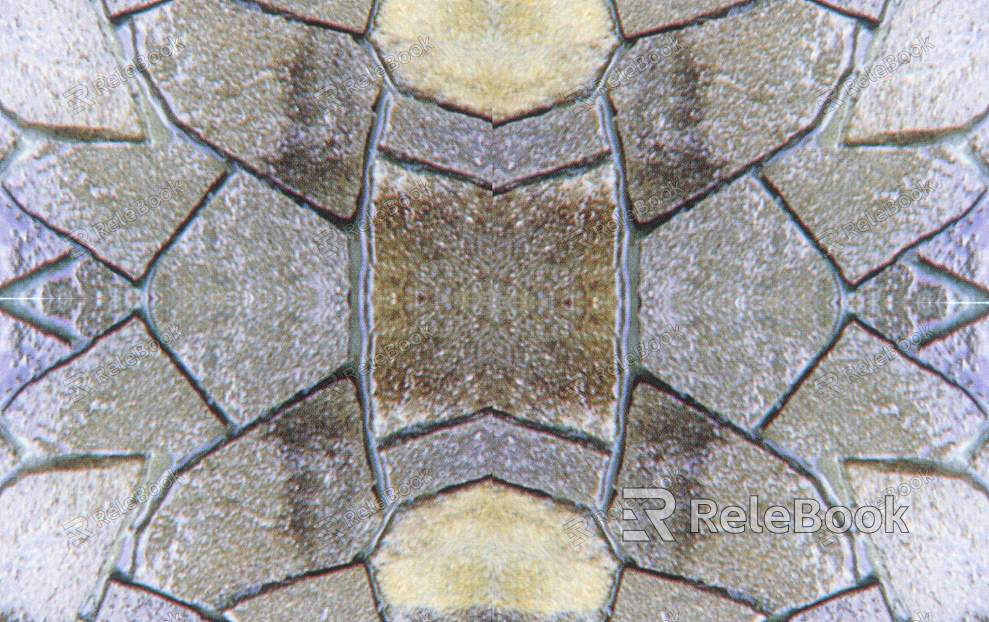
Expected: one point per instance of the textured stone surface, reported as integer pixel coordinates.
(867, 205)
(964, 356)
(264, 507)
(664, 436)
(119, 8)
(939, 568)
(639, 17)
(8, 138)
(864, 604)
(344, 14)
(8, 458)
(681, 99)
(57, 47)
(343, 595)
(45, 572)
(533, 294)
(26, 353)
(980, 143)
(963, 248)
(946, 42)
(126, 603)
(493, 548)
(643, 597)
(497, 446)
(869, 9)
(278, 95)
(748, 321)
(498, 61)
(267, 279)
(866, 400)
(123, 395)
(901, 302)
(25, 244)
(121, 201)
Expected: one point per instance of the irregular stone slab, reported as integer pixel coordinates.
(59, 49)
(964, 357)
(8, 138)
(133, 604)
(492, 445)
(901, 302)
(640, 17)
(274, 104)
(867, 205)
(865, 399)
(123, 202)
(269, 280)
(776, 570)
(945, 44)
(963, 248)
(864, 604)
(46, 571)
(343, 594)
(643, 597)
(495, 60)
(25, 244)
(682, 98)
(263, 507)
(736, 310)
(536, 292)
(939, 568)
(123, 395)
(349, 15)
(26, 353)
(495, 549)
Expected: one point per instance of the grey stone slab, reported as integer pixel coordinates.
(126, 603)
(267, 279)
(682, 98)
(121, 201)
(491, 445)
(937, 570)
(264, 507)
(901, 302)
(643, 597)
(289, 102)
(929, 48)
(668, 439)
(349, 15)
(8, 138)
(865, 399)
(867, 205)
(26, 353)
(491, 552)
(8, 458)
(750, 300)
(963, 248)
(980, 143)
(25, 244)
(340, 596)
(533, 291)
(867, 604)
(639, 17)
(58, 48)
(47, 569)
(963, 356)
(122, 395)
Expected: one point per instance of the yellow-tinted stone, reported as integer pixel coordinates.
(496, 58)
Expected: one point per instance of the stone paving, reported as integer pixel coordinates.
(390, 311)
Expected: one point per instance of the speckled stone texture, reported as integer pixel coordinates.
(760, 70)
(748, 322)
(127, 603)
(902, 302)
(935, 45)
(938, 568)
(123, 395)
(287, 103)
(265, 507)
(8, 138)
(266, 278)
(25, 244)
(778, 571)
(492, 445)
(48, 570)
(980, 143)
(495, 548)
(342, 595)
(645, 597)
(854, 606)
(640, 17)
(866, 400)
(868, 9)
(348, 15)
(26, 353)
(8, 458)
(496, 61)
(534, 292)
(58, 48)
(121, 201)
(867, 205)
